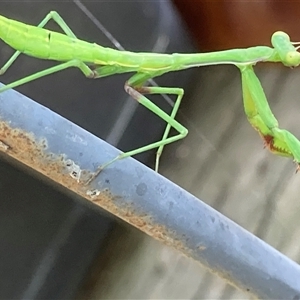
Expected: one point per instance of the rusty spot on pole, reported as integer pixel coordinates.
(27, 149)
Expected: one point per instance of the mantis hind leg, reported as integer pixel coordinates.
(135, 89)
(88, 72)
(72, 63)
(57, 19)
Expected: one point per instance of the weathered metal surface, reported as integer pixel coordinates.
(66, 153)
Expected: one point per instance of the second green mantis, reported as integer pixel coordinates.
(96, 61)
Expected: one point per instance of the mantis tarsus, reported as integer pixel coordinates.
(96, 61)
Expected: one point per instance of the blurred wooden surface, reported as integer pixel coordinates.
(225, 24)
(222, 161)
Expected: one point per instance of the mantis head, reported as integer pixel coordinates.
(285, 49)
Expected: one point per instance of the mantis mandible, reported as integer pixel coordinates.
(96, 61)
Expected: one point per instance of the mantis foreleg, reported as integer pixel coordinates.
(260, 116)
(256, 106)
(282, 136)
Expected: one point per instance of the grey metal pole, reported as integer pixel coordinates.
(65, 153)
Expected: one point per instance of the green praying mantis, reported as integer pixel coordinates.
(96, 61)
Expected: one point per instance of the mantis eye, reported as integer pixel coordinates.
(292, 59)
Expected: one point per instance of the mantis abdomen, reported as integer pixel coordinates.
(46, 44)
